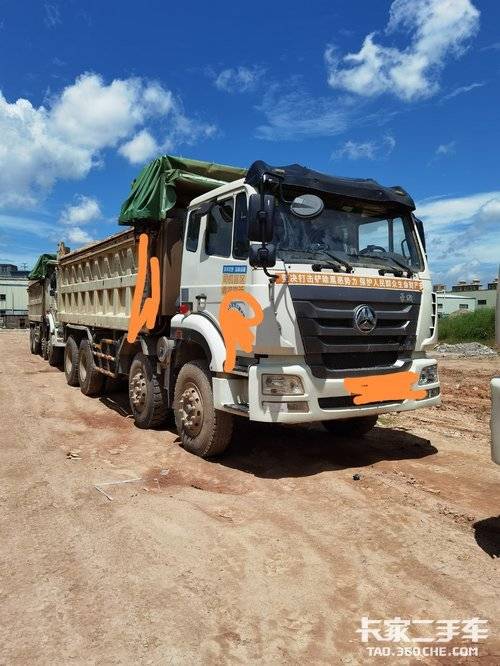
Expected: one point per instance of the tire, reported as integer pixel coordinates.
(71, 361)
(148, 399)
(34, 343)
(203, 430)
(356, 427)
(91, 380)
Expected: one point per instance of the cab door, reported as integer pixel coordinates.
(216, 254)
(223, 259)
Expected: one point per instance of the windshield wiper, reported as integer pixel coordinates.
(390, 257)
(313, 254)
(335, 257)
(326, 264)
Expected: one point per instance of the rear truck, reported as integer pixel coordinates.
(276, 294)
(45, 333)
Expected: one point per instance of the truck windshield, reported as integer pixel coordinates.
(360, 237)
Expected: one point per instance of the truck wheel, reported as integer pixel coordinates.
(204, 430)
(34, 343)
(91, 380)
(71, 361)
(148, 399)
(357, 426)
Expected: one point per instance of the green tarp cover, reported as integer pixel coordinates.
(168, 181)
(42, 266)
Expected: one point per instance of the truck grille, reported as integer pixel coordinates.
(332, 345)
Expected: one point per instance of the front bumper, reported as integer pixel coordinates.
(318, 389)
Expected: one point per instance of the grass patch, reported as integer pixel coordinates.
(478, 326)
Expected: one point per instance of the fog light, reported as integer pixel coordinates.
(433, 392)
(282, 385)
(428, 375)
(286, 407)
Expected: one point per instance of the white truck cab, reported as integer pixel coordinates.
(348, 295)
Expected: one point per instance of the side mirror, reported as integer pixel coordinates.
(262, 256)
(421, 232)
(260, 223)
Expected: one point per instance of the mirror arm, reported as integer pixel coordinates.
(272, 277)
(262, 211)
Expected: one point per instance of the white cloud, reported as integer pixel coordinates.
(446, 149)
(492, 47)
(463, 236)
(65, 138)
(464, 270)
(448, 210)
(79, 236)
(461, 90)
(52, 15)
(439, 29)
(95, 115)
(239, 79)
(83, 211)
(293, 113)
(26, 225)
(356, 151)
(140, 148)
(369, 150)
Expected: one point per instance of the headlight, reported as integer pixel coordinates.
(282, 385)
(428, 375)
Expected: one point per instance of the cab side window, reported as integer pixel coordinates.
(240, 238)
(193, 231)
(220, 228)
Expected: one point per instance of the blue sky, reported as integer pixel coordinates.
(406, 92)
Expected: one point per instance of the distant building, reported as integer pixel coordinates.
(484, 297)
(13, 297)
(11, 270)
(450, 303)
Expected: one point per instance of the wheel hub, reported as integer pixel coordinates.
(191, 409)
(138, 391)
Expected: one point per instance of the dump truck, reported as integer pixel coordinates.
(274, 294)
(45, 338)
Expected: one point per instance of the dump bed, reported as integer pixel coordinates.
(41, 288)
(36, 300)
(96, 283)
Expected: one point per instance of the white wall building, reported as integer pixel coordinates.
(13, 297)
(449, 303)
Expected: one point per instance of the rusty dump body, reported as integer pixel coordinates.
(96, 282)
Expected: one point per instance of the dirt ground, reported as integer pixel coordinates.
(271, 555)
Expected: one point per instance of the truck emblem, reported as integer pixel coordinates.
(365, 319)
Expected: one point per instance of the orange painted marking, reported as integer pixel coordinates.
(146, 316)
(378, 388)
(236, 327)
